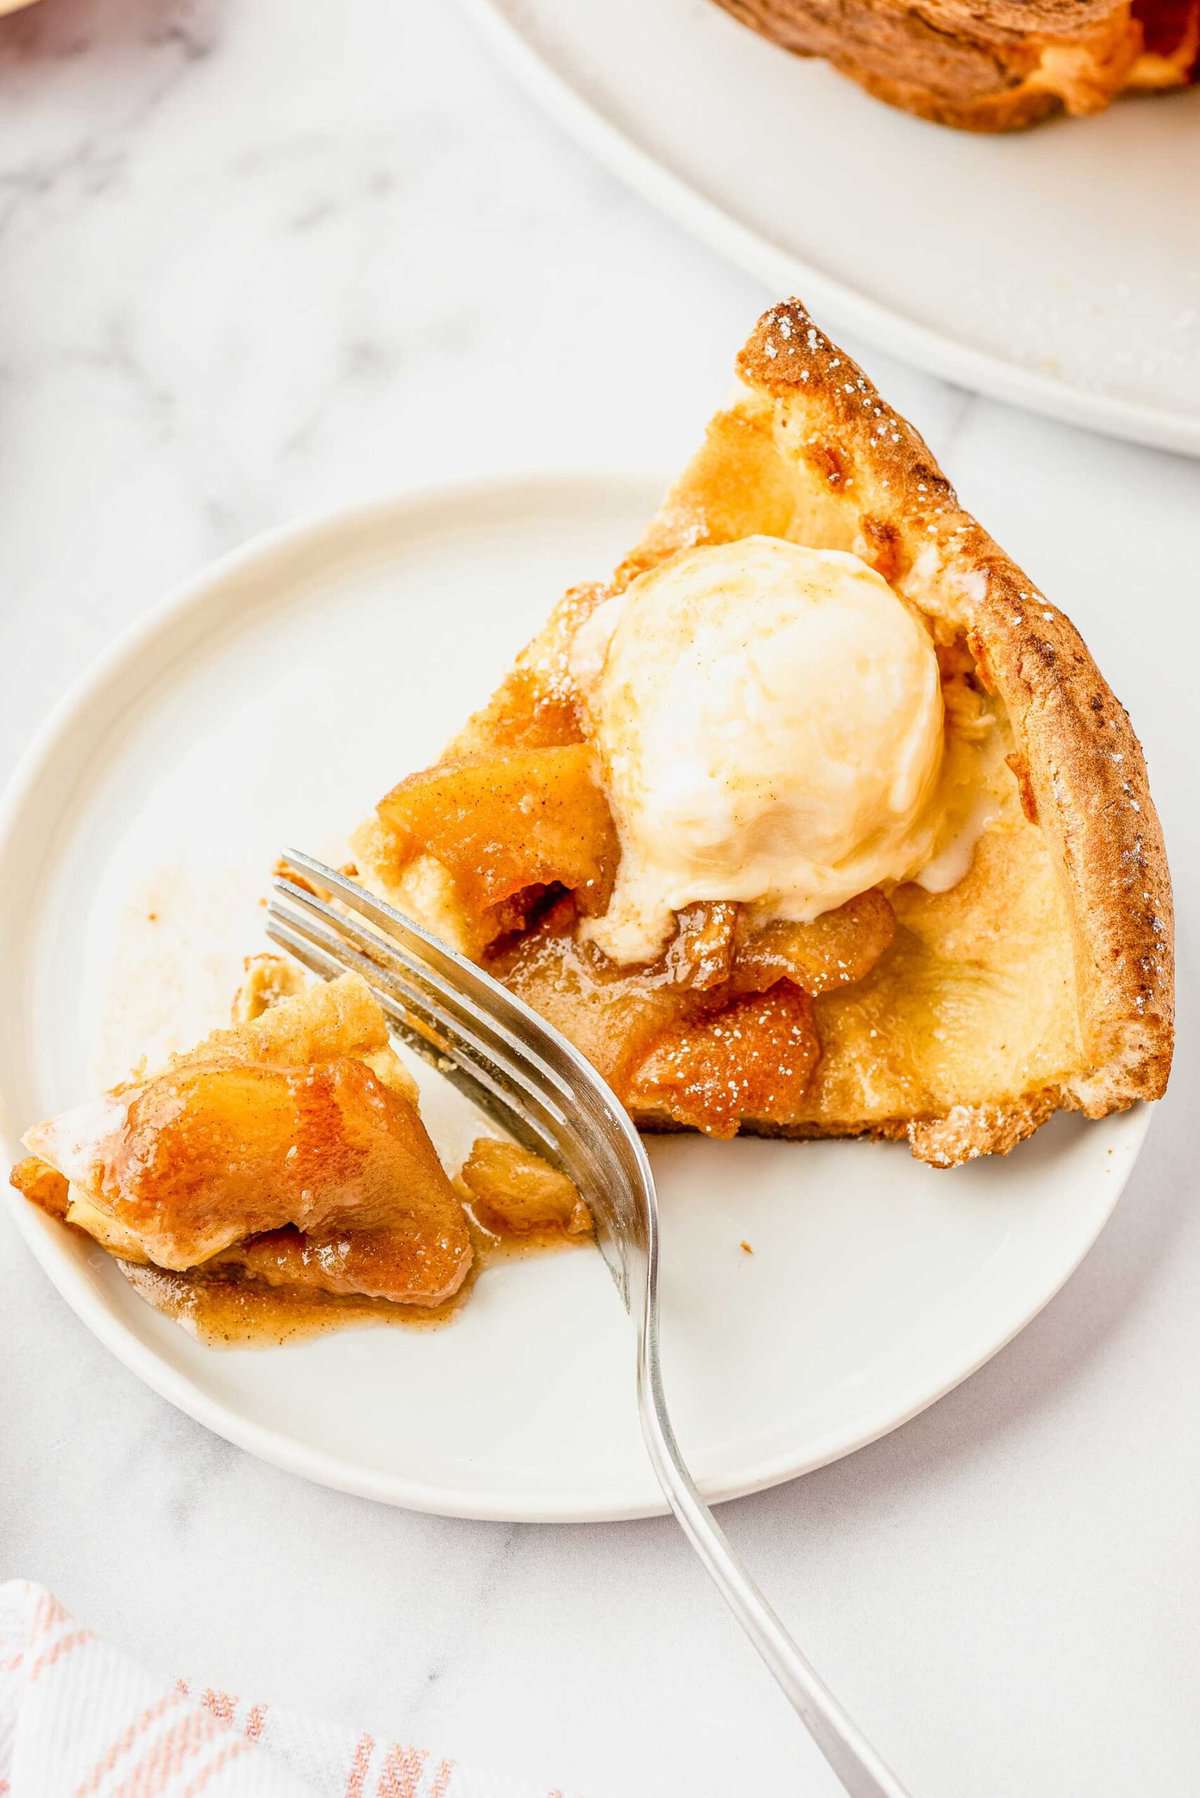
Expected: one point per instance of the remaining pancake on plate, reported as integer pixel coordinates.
(818, 818)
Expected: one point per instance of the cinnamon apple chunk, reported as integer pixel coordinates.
(516, 1193)
(289, 1144)
(505, 822)
(821, 955)
(751, 1057)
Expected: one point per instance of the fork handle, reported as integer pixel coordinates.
(861, 1771)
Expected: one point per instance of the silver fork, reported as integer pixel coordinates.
(532, 1081)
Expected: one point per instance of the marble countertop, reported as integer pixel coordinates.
(259, 259)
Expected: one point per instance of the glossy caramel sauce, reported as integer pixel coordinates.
(225, 1311)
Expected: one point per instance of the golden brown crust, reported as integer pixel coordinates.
(1085, 765)
(963, 1134)
(998, 66)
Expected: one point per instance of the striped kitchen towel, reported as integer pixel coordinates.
(78, 1718)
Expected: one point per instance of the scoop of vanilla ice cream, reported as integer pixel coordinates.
(769, 719)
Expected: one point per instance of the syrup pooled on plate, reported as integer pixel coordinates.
(230, 1310)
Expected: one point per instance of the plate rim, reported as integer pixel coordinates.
(65, 1271)
(835, 301)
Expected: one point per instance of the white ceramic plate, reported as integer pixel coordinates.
(1056, 269)
(270, 703)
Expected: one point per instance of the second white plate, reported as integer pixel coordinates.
(271, 703)
(1054, 268)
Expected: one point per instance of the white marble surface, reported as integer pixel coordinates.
(260, 258)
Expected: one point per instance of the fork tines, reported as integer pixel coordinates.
(472, 1029)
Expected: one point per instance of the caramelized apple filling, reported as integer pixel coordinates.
(513, 1192)
(833, 950)
(207, 1156)
(286, 1157)
(720, 1027)
(751, 1057)
(274, 1147)
(509, 847)
(508, 823)
(511, 826)
(385, 1263)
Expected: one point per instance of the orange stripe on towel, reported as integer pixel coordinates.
(401, 1773)
(164, 1760)
(62, 1647)
(124, 1742)
(221, 1704)
(254, 1722)
(357, 1778)
(229, 1753)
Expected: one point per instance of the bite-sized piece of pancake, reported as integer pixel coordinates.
(288, 1147)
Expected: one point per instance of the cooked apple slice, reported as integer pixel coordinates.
(834, 950)
(281, 1122)
(517, 1193)
(508, 821)
(751, 1058)
(405, 1262)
